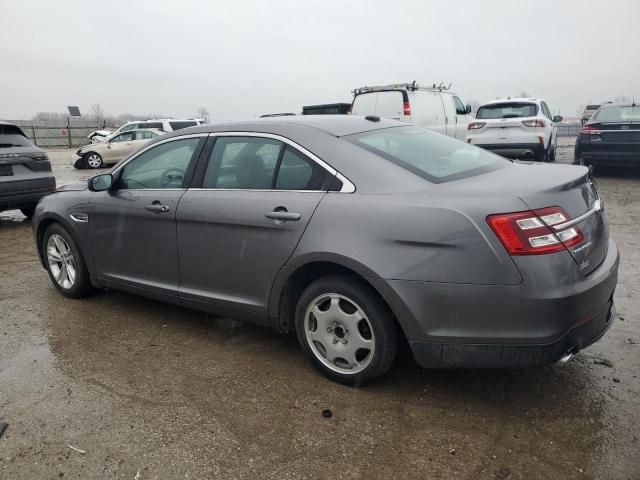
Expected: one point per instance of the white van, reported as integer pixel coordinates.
(433, 107)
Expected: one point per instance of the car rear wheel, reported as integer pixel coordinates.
(93, 160)
(28, 211)
(347, 331)
(65, 263)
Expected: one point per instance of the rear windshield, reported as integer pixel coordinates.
(179, 125)
(14, 140)
(618, 114)
(430, 155)
(507, 110)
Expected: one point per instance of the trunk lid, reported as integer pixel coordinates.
(565, 186)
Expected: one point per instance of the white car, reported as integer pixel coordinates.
(521, 128)
(164, 124)
(435, 107)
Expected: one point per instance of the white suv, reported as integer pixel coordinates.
(431, 107)
(520, 128)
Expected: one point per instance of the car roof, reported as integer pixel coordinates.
(512, 99)
(336, 125)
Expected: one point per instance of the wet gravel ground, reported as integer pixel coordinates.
(151, 391)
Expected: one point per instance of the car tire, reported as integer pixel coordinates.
(93, 160)
(65, 263)
(552, 154)
(346, 330)
(28, 211)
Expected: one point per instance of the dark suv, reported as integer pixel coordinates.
(25, 171)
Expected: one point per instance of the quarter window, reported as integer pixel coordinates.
(162, 166)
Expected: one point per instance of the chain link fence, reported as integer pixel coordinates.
(60, 133)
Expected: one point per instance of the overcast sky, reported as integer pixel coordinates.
(242, 58)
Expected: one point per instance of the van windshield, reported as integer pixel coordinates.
(428, 154)
(507, 110)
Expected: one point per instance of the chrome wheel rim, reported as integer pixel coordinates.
(61, 262)
(339, 333)
(94, 160)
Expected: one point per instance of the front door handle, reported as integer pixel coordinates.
(157, 207)
(283, 216)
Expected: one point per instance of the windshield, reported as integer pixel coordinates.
(508, 110)
(618, 114)
(430, 155)
(14, 140)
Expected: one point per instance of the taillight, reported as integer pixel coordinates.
(533, 123)
(476, 125)
(532, 232)
(588, 130)
(406, 108)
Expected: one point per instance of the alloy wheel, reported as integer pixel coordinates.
(94, 160)
(61, 262)
(339, 333)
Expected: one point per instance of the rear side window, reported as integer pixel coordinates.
(432, 156)
(142, 135)
(255, 163)
(384, 104)
(507, 110)
(592, 107)
(150, 125)
(297, 172)
(179, 125)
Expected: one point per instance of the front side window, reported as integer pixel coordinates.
(123, 137)
(460, 108)
(162, 166)
(142, 135)
(507, 110)
(432, 156)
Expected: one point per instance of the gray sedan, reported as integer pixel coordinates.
(356, 233)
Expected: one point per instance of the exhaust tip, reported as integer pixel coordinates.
(566, 356)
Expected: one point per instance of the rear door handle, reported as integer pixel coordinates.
(283, 216)
(157, 207)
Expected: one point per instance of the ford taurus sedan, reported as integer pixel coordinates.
(356, 233)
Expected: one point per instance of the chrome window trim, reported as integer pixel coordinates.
(347, 185)
(597, 206)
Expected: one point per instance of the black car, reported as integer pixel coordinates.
(610, 137)
(25, 171)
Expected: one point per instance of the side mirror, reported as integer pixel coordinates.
(101, 182)
(557, 119)
(467, 109)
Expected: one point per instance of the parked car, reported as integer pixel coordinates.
(610, 137)
(353, 232)
(516, 128)
(589, 110)
(433, 107)
(25, 171)
(98, 155)
(164, 124)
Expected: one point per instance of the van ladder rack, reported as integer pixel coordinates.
(412, 87)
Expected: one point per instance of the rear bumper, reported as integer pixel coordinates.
(454, 355)
(553, 310)
(24, 193)
(610, 157)
(514, 150)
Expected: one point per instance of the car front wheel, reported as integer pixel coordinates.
(93, 160)
(347, 331)
(65, 263)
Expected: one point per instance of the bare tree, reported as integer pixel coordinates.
(204, 114)
(97, 112)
